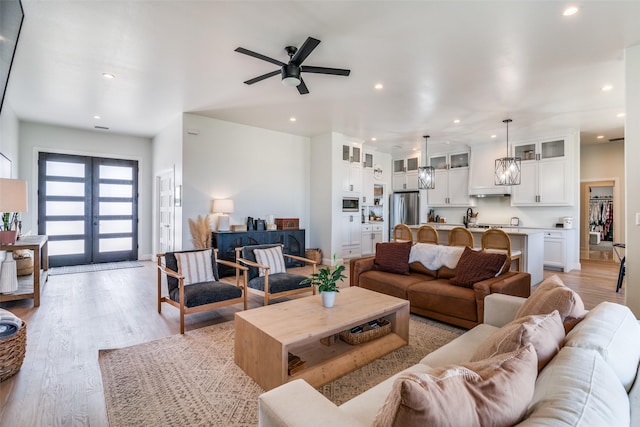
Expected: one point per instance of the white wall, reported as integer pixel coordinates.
(632, 177)
(167, 156)
(9, 137)
(322, 204)
(38, 137)
(264, 172)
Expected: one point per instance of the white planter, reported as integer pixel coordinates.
(328, 298)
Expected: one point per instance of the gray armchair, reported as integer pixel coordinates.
(194, 286)
(269, 283)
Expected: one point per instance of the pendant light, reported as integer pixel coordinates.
(508, 168)
(426, 174)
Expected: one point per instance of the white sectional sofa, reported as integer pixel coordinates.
(591, 381)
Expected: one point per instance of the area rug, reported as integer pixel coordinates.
(192, 380)
(71, 269)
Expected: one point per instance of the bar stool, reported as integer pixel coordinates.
(622, 260)
(427, 234)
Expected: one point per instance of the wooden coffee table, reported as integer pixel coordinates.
(265, 336)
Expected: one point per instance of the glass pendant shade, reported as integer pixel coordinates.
(507, 169)
(426, 174)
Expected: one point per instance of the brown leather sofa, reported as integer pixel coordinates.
(432, 293)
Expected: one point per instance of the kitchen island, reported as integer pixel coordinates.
(526, 240)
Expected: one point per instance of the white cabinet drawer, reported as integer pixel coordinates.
(554, 234)
(377, 228)
(366, 228)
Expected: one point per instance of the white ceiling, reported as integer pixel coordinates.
(476, 61)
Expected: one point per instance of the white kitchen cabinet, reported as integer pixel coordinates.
(367, 178)
(351, 169)
(371, 235)
(405, 173)
(482, 170)
(558, 244)
(451, 181)
(545, 174)
(351, 235)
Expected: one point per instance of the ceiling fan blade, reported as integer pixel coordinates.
(302, 88)
(259, 56)
(262, 77)
(325, 70)
(307, 47)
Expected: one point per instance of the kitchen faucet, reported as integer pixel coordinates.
(467, 218)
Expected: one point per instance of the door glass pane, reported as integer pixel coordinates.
(66, 247)
(115, 190)
(346, 153)
(55, 188)
(412, 164)
(57, 228)
(552, 149)
(65, 169)
(111, 245)
(460, 160)
(356, 155)
(526, 152)
(398, 165)
(116, 208)
(107, 227)
(64, 208)
(115, 172)
(439, 162)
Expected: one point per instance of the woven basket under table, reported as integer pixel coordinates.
(12, 352)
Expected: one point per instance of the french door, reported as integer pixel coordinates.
(88, 207)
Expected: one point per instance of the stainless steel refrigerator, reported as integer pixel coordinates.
(405, 207)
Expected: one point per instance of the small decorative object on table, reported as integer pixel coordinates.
(326, 281)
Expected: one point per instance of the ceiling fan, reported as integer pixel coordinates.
(291, 71)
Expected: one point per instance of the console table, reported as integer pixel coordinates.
(227, 241)
(28, 286)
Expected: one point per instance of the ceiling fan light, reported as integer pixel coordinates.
(290, 81)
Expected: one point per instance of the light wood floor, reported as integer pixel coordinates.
(60, 382)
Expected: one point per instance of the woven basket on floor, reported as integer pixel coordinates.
(12, 352)
(313, 255)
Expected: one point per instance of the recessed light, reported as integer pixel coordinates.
(415, 149)
(378, 86)
(292, 119)
(108, 76)
(494, 136)
(600, 136)
(606, 88)
(620, 115)
(571, 10)
(456, 121)
(374, 139)
(97, 117)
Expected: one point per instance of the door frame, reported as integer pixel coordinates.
(618, 229)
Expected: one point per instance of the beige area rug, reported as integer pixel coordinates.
(192, 380)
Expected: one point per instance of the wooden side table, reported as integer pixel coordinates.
(29, 287)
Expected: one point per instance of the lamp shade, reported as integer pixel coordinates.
(13, 195)
(222, 206)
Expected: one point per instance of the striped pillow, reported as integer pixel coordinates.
(272, 258)
(195, 266)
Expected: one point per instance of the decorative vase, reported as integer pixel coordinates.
(8, 237)
(328, 298)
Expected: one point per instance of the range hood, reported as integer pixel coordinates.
(492, 191)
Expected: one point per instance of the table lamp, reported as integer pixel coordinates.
(13, 199)
(223, 207)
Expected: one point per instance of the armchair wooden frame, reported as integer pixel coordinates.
(241, 282)
(496, 239)
(267, 296)
(427, 234)
(460, 236)
(402, 232)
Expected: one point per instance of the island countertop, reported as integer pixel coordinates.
(508, 230)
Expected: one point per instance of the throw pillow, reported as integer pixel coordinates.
(494, 392)
(272, 258)
(475, 266)
(545, 332)
(551, 295)
(392, 257)
(195, 266)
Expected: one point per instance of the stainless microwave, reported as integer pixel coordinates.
(350, 204)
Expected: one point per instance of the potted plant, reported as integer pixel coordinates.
(7, 235)
(326, 280)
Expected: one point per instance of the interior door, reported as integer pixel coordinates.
(88, 206)
(166, 215)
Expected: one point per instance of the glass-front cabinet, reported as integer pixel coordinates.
(405, 173)
(451, 180)
(545, 173)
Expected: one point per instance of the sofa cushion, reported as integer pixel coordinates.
(578, 388)
(494, 391)
(272, 258)
(395, 285)
(476, 266)
(392, 257)
(545, 332)
(461, 348)
(551, 295)
(440, 296)
(613, 331)
(418, 267)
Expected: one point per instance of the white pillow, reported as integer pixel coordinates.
(272, 258)
(195, 266)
